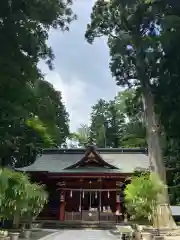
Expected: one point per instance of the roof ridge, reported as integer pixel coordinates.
(99, 150)
(53, 162)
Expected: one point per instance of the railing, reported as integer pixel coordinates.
(90, 216)
(107, 216)
(72, 216)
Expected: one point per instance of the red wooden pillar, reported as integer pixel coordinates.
(62, 206)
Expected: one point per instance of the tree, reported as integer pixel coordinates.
(136, 54)
(37, 198)
(46, 125)
(167, 104)
(26, 143)
(106, 124)
(130, 104)
(134, 135)
(82, 135)
(167, 95)
(24, 31)
(52, 112)
(98, 121)
(19, 197)
(23, 142)
(115, 123)
(141, 197)
(15, 201)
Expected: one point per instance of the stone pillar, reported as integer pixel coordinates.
(62, 206)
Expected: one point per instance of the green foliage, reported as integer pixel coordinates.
(37, 198)
(143, 38)
(141, 196)
(106, 124)
(82, 135)
(37, 126)
(46, 125)
(130, 34)
(4, 183)
(15, 195)
(19, 197)
(51, 111)
(116, 123)
(24, 31)
(143, 43)
(134, 133)
(126, 27)
(129, 102)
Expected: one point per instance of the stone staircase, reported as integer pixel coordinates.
(76, 225)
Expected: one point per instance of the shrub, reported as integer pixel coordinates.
(19, 197)
(141, 196)
(37, 198)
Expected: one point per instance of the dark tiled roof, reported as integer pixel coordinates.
(100, 150)
(57, 160)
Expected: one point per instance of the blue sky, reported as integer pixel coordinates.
(81, 70)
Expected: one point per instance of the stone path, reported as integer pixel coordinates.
(84, 234)
(38, 234)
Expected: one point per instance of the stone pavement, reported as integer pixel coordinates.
(82, 234)
(38, 234)
(172, 238)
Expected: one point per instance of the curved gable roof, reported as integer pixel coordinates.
(66, 160)
(92, 157)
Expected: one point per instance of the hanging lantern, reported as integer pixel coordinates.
(83, 194)
(96, 195)
(62, 197)
(90, 200)
(117, 197)
(108, 194)
(71, 193)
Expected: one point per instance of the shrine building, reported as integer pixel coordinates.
(86, 184)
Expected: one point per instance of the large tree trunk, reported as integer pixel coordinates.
(156, 159)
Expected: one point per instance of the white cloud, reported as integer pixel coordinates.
(81, 70)
(74, 98)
